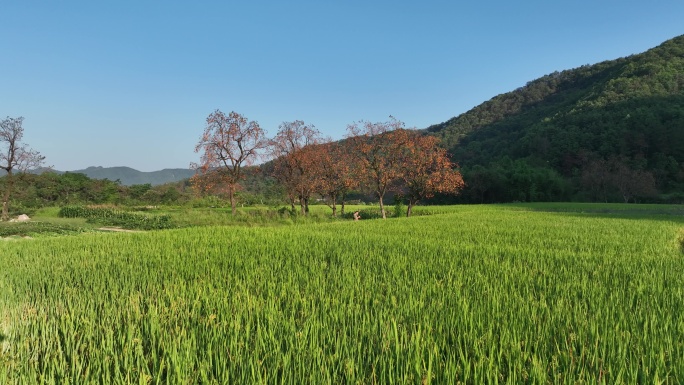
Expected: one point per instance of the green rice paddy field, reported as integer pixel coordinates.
(468, 294)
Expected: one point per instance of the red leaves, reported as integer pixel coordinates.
(427, 169)
(390, 157)
(380, 157)
(293, 149)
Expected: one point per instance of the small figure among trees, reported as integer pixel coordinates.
(14, 156)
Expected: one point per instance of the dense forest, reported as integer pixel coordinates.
(613, 131)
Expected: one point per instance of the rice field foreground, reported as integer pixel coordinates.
(477, 294)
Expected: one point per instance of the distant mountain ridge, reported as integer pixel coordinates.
(129, 176)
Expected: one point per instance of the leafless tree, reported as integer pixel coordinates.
(15, 156)
(229, 143)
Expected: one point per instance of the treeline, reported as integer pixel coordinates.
(606, 132)
(32, 191)
(376, 158)
(377, 162)
(49, 189)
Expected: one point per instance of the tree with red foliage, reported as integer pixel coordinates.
(427, 169)
(293, 151)
(333, 173)
(377, 148)
(229, 143)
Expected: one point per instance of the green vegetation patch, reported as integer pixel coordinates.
(34, 228)
(111, 217)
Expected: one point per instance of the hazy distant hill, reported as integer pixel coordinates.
(562, 136)
(128, 176)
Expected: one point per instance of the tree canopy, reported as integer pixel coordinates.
(555, 129)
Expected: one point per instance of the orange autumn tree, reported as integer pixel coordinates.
(294, 159)
(377, 148)
(229, 143)
(427, 170)
(212, 182)
(334, 175)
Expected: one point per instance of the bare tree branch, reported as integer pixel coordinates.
(15, 156)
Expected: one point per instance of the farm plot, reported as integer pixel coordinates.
(477, 294)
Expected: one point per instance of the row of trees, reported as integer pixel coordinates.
(28, 191)
(32, 191)
(376, 157)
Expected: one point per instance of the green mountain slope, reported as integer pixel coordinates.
(548, 139)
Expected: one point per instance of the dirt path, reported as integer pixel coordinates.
(118, 229)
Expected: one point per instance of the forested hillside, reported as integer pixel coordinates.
(613, 131)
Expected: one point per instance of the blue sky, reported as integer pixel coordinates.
(130, 83)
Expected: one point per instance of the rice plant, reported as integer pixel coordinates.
(476, 294)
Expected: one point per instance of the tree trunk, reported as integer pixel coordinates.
(5, 199)
(5, 209)
(334, 206)
(343, 199)
(411, 203)
(303, 205)
(233, 204)
(382, 209)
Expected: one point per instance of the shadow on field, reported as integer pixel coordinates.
(670, 213)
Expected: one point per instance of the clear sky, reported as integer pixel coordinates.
(130, 83)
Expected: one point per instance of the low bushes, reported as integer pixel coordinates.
(33, 228)
(119, 218)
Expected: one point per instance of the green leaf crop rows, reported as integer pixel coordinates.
(110, 217)
(474, 295)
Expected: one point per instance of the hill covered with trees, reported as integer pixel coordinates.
(612, 131)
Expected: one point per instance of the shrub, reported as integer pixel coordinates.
(111, 217)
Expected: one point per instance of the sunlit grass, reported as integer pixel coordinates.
(477, 294)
